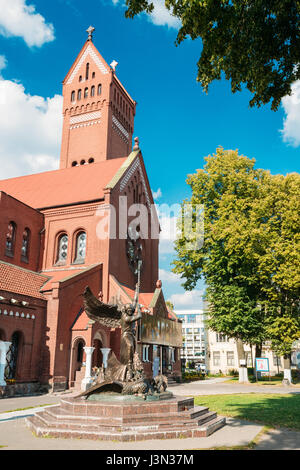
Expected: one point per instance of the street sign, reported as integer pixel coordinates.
(262, 364)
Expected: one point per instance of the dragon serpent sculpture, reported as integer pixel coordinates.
(126, 375)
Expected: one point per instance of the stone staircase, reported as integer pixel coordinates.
(128, 421)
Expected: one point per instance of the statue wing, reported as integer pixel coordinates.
(108, 315)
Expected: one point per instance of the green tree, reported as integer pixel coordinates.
(253, 43)
(250, 258)
(170, 304)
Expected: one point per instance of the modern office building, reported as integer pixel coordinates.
(194, 342)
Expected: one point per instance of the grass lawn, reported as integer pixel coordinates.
(273, 410)
(277, 381)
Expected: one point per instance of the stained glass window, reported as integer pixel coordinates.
(25, 243)
(62, 248)
(80, 247)
(10, 238)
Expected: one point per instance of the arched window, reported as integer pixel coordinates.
(86, 92)
(93, 75)
(91, 160)
(62, 249)
(99, 89)
(87, 69)
(73, 96)
(10, 239)
(93, 90)
(80, 248)
(79, 95)
(80, 78)
(25, 244)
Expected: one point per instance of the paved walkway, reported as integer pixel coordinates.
(221, 386)
(15, 435)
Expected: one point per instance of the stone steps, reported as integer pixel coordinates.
(124, 436)
(171, 418)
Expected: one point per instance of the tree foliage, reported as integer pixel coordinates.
(254, 43)
(250, 258)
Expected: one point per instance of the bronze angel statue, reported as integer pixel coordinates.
(114, 316)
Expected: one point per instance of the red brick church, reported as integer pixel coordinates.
(52, 244)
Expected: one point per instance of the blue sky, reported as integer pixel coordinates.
(177, 124)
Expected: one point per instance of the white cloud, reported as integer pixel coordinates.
(157, 194)
(21, 20)
(3, 62)
(168, 276)
(30, 131)
(291, 123)
(168, 234)
(161, 16)
(189, 299)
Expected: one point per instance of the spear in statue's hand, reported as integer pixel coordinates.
(137, 297)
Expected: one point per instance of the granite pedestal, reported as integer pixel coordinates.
(128, 418)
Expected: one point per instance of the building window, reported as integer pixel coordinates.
(62, 249)
(25, 244)
(93, 75)
(73, 96)
(93, 90)
(216, 358)
(191, 318)
(99, 89)
(10, 239)
(80, 248)
(87, 69)
(146, 352)
(86, 92)
(79, 95)
(221, 338)
(230, 358)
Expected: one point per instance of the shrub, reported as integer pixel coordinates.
(233, 372)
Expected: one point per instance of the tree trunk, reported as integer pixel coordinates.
(258, 350)
(258, 353)
(287, 374)
(243, 372)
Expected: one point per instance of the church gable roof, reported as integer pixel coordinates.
(88, 50)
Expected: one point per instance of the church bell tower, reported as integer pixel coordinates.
(98, 113)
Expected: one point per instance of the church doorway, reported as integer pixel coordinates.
(97, 358)
(13, 355)
(77, 359)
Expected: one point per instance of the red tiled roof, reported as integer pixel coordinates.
(144, 297)
(172, 315)
(21, 281)
(82, 322)
(59, 275)
(64, 186)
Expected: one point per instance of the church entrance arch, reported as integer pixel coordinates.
(77, 357)
(99, 341)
